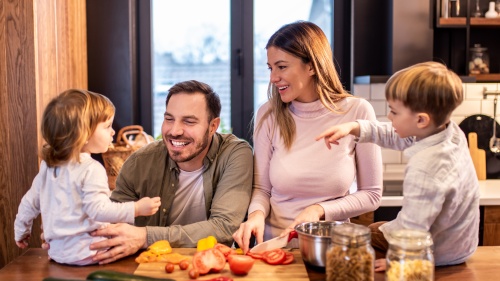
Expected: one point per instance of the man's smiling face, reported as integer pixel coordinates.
(186, 130)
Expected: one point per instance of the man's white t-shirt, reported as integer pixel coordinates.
(189, 202)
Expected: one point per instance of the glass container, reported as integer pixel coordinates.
(410, 256)
(350, 256)
(479, 60)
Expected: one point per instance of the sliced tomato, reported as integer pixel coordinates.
(209, 260)
(255, 255)
(289, 258)
(226, 250)
(276, 256)
(240, 265)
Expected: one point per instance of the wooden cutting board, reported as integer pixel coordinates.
(295, 271)
(478, 156)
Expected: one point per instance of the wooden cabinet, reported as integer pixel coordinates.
(491, 226)
(454, 36)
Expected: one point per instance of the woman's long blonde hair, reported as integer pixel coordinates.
(69, 120)
(306, 41)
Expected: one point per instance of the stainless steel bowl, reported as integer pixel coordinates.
(314, 241)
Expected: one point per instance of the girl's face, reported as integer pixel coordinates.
(101, 138)
(292, 77)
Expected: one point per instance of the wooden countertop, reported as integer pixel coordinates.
(34, 265)
(489, 191)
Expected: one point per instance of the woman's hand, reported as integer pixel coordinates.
(253, 225)
(312, 213)
(125, 240)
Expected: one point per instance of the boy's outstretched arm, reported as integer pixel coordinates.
(333, 134)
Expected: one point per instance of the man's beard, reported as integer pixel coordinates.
(177, 156)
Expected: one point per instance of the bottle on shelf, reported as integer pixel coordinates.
(491, 13)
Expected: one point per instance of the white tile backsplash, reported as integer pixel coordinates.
(380, 107)
(474, 103)
(390, 156)
(361, 90)
(475, 90)
(377, 91)
(468, 107)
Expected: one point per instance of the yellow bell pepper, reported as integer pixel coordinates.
(206, 243)
(160, 247)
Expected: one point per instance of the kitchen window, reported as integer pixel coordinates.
(222, 43)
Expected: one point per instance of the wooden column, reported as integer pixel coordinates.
(42, 52)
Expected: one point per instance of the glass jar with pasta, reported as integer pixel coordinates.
(350, 255)
(410, 256)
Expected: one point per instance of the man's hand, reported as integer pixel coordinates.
(125, 240)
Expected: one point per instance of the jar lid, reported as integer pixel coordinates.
(410, 239)
(478, 48)
(351, 234)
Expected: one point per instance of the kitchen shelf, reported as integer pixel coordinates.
(490, 77)
(461, 22)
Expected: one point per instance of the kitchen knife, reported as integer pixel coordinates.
(275, 243)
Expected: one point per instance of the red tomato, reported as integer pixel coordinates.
(169, 267)
(193, 274)
(227, 251)
(209, 260)
(255, 255)
(289, 258)
(183, 265)
(240, 265)
(276, 256)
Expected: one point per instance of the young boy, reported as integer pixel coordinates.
(440, 187)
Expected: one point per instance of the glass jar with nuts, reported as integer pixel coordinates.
(479, 60)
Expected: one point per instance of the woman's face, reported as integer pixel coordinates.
(293, 78)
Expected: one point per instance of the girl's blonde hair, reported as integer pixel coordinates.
(69, 120)
(427, 87)
(306, 41)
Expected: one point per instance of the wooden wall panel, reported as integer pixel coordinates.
(18, 136)
(42, 52)
(491, 236)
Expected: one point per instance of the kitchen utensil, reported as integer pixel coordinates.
(478, 156)
(494, 141)
(275, 243)
(482, 125)
(314, 241)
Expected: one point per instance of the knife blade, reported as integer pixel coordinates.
(275, 243)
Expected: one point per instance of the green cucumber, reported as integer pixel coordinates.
(109, 275)
(60, 279)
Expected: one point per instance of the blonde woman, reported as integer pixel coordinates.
(297, 179)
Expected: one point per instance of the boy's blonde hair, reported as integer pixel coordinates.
(69, 120)
(427, 87)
